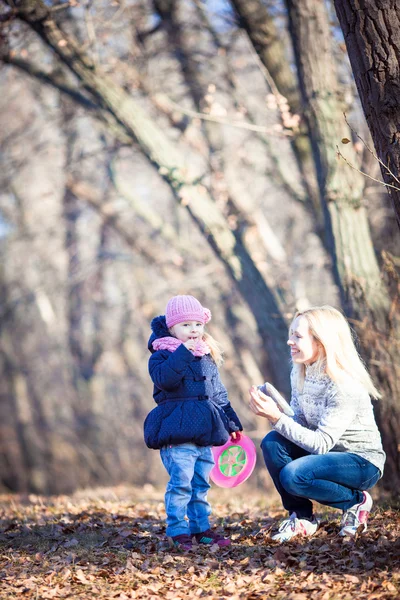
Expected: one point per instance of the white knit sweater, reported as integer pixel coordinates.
(333, 417)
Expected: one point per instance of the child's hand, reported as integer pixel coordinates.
(235, 436)
(190, 344)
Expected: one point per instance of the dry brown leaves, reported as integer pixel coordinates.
(108, 546)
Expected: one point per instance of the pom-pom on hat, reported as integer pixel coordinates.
(185, 308)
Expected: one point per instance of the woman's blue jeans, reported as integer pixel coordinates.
(335, 479)
(189, 468)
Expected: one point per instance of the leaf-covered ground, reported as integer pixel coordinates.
(110, 544)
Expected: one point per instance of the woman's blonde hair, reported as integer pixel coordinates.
(338, 355)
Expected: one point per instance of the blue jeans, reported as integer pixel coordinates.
(189, 468)
(335, 479)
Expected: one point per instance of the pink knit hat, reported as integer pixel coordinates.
(185, 308)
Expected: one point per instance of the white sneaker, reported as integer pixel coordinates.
(294, 526)
(355, 516)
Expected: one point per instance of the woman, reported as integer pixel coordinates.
(331, 450)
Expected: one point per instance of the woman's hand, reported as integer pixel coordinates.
(235, 436)
(263, 406)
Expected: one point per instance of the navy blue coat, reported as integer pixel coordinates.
(193, 403)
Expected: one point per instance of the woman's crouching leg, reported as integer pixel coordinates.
(278, 453)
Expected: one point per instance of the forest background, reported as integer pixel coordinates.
(179, 146)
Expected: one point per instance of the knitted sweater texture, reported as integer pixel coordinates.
(333, 417)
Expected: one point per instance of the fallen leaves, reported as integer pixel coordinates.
(90, 548)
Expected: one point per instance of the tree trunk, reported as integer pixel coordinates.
(267, 41)
(241, 206)
(365, 298)
(263, 302)
(371, 33)
(39, 449)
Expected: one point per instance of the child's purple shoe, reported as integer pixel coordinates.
(182, 541)
(210, 537)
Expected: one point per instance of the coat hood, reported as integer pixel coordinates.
(159, 330)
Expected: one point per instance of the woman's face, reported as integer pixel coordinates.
(304, 348)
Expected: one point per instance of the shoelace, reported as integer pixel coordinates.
(289, 523)
(350, 519)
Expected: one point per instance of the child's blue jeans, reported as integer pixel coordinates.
(335, 479)
(189, 468)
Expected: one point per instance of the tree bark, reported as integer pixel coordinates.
(227, 244)
(365, 298)
(267, 41)
(372, 36)
(357, 270)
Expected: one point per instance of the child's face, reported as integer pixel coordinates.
(188, 330)
(304, 348)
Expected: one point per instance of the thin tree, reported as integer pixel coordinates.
(260, 26)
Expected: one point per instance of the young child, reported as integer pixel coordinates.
(330, 450)
(193, 414)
